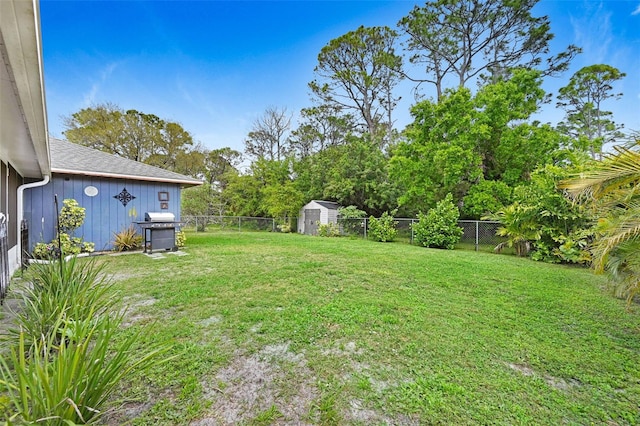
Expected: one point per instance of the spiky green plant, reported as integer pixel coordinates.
(69, 381)
(74, 290)
(518, 225)
(127, 239)
(612, 188)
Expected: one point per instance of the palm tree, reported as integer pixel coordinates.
(519, 226)
(612, 188)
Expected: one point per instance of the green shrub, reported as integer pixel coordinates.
(328, 230)
(69, 381)
(127, 239)
(285, 228)
(383, 229)
(181, 239)
(71, 217)
(439, 227)
(351, 219)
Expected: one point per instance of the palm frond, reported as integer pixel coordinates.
(615, 171)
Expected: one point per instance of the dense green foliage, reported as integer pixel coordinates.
(382, 229)
(439, 227)
(542, 222)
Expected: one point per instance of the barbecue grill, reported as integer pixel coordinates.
(159, 230)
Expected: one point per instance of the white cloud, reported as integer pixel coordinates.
(593, 32)
(637, 11)
(89, 98)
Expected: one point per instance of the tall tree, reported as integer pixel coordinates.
(463, 139)
(100, 127)
(219, 164)
(268, 135)
(355, 173)
(582, 99)
(439, 155)
(358, 72)
(321, 127)
(132, 134)
(479, 38)
(172, 141)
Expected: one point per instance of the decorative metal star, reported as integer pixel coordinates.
(124, 197)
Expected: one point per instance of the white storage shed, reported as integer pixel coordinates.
(317, 213)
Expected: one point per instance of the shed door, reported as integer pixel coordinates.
(311, 220)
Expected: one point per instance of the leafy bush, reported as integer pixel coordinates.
(350, 219)
(439, 227)
(181, 239)
(285, 228)
(329, 230)
(543, 223)
(127, 239)
(71, 217)
(384, 228)
(519, 225)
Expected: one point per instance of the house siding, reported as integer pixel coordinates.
(105, 215)
(10, 180)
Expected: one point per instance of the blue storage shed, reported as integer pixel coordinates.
(115, 192)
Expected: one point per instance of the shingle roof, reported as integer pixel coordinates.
(328, 204)
(71, 158)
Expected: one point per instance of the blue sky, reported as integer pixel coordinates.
(215, 66)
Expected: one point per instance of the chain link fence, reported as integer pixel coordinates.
(238, 223)
(476, 235)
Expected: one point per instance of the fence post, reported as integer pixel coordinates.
(477, 242)
(365, 228)
(196, 223)
(239, 224)
(273, 225)
(412, 230)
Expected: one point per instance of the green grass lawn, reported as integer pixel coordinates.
(290, 329)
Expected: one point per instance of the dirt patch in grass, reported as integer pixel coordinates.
(132, 308)
(274, 380)
(555, 382)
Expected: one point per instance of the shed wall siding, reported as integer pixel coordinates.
(105, 215)
(326, 215)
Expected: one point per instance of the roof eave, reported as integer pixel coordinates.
(23, 42)
(184, 183)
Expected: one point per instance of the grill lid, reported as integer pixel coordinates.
(159, 217)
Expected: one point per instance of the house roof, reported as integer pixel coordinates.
(328, 204)
(71, 158)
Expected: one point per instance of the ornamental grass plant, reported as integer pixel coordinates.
(69, 381)
(71, 290)
(68, 353)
